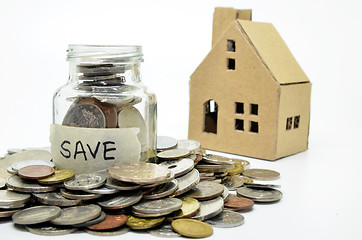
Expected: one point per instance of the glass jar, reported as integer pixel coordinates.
(104, 114)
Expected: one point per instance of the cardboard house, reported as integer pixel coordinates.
(249, 96)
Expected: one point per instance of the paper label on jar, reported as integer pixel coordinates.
(86, 150)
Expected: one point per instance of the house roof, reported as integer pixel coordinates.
(273, 51)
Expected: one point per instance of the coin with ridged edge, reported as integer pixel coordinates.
(192, 228)
(226, 219)
(85, 115)
(77, 214)
(59, 176)
(47, 229)
(37, 214)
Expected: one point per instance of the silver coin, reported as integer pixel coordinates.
(180, 166)
(112, 232)
(165, 143)
(164, 231)
(10, 170)
(150, 215)
(226, 219)
(261, 174)
(79, 195)
(158, 205)
(13, 206)
(225, 194)
(10, 198)
(86, 115)
(206, 190)
(37, 214)
(8, 213)
(18, 165)
(96, 220)
(212, 167)
(163, 190)
(258, 185)
(233, 182)
(12, 151)
(187, 182)
(116, 100)
(260, 194)
(47, 229)
(216, 159)
(120, 185)
(86, 181)
(2, 185)
(167, 180)
(18, 184)
(191, 145)
(125, 199)
(209, 209)
(173, 154)
(56, 199)
(104, 190)
(77, 214)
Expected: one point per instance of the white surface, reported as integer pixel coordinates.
(322, 186)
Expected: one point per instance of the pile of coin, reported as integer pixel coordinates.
(187, 193)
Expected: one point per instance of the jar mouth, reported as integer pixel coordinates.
(105, 53)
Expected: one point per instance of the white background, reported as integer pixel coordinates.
(322, 186)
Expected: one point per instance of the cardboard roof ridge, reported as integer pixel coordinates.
(273, 52)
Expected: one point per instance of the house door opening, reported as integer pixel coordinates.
(210, 113)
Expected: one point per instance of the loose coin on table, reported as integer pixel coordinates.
(56, 199)
(139, 172)
(59, 176)
(209, 209)
(206, 190)
(143, 223)
(86, 181)
(37, 214)
(36, 172)
(165, 143)
(22, 185)
(111, 232)
(260, 194)
(179, 166)
(226, 219)
(261, 174)
(123, 200)
(238, 169)
(189, 144)
(246, 164)
(233, 182)
(216, 159)
(47, 229)
(111, 221)
(192, 228)
(173, 154)
(238, 203)
(77, 214)
(164, 231)
(187, 182)
(164, 205)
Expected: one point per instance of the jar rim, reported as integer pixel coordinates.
(104, 53)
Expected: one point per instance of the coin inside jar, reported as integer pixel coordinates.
(36, 172)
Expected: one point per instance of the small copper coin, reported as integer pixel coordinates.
(36, 172)
(239, 203)
(111, 222)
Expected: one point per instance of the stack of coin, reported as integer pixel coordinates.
(139, 196)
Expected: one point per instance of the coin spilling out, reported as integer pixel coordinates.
(94, 221)
(59, 176)
(233, 182)
(77, 214)
(165, 143)
(226, 219)
(86, 181)
(246, 164)
(261, 174)
(55, 199)
(192, 228)
(238, 203)
(127, 199)
(36, 171)
(190, 207)
(173, 154)
(162, 206)
(187, 182)
(216, 159)
(110, 222)
(162, 190)
(18, 165)
(78, 195)
(188, 144)
(47, 229)
(206, 190)
(143, 223)
(209, 209)
(164, 231)
(260, 194)
(37, 214)
(111, 232)
(179, 167)
(10, 198)
(21, 185)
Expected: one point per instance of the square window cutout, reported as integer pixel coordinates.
(231, 46)
(254, 109)
(254, 127)
(231, 64)
(289, 123)
(239, 124)
(296, 121)
(239, 108)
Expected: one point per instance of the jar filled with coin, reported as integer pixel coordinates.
(104, 114)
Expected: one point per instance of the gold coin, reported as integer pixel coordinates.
(192, 228)
(143, 223)
(190, 207)
(238, 169)
(58, 177)
(247, 180)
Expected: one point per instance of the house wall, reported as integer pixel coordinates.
(249, 83)
(294, 102)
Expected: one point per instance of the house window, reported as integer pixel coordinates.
(230, 46)
(231, 63)
(289, 123)
(210, 116)
(296, 121)
(239, 124)
(239, 108)
(254, 127)
(254, 109)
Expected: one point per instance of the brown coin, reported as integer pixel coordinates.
(239, 203)
(206, 190)
(198, 158)
(36, 171)
(108, 110)
(111, 221)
